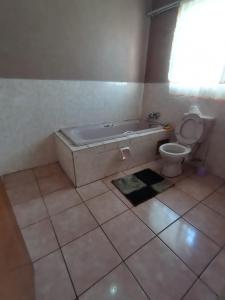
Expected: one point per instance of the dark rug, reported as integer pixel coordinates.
(142, 186)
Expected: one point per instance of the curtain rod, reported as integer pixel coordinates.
(163, 9)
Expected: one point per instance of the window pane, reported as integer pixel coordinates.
(198, 49)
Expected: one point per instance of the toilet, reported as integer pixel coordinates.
(192, 130)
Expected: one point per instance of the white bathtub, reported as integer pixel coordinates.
(90, 153)
(86, 135)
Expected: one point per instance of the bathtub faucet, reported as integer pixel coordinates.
(153, 119)
(153, 116)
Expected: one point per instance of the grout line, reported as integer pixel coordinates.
(213, 209)
(181, 217)
(199, 276)
(49, 253)
(189, 289)
(49, 215)
(78, 237)
(99, 280)
(60, 249)
(186, 212)
(115, 250)
(156, 236)
(209, 287)
(34, 223)
(99, 195)
(129, 209)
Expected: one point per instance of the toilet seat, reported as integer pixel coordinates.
(174, 150)
(190, 130)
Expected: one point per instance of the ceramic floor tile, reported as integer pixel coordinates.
(92, 190)
(212, 181)
(208, 221)
(53, 183)
(23, 193)
(160, 272)
(127, 233)
(40, 239)
(122, 198)
(177, 200)
(187, 171)
(178, 178)
(48, 170)
(194, 188)
(155, 214)
(106, 206)
(155, 165)
(89, 258)
(73, 223)
(61, 200)
(200, 292)
(30, 212)
(137, 169)
(214, 275)
(221, 190)
(52, 281)
(193, 247)
(217, 202)
(17, 179)
(118, 285)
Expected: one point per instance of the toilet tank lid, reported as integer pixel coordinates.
(190, 130)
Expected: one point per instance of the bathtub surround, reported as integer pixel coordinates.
(172, 107)
(86, 164)
(32, 110)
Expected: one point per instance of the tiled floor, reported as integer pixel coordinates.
(91, 244)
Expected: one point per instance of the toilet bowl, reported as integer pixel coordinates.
(173, 155)
(188, 133)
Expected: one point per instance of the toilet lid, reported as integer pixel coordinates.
(190, 130)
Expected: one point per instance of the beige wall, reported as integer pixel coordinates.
(79, 39)
(160, 42)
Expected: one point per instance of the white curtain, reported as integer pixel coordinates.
(197, 63)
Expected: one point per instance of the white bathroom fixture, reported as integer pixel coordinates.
(125, 153)
(91, 153)
(192, 129)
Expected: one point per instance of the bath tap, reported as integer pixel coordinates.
(153, 120)
(154, 116)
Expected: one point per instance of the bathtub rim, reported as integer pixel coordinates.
(137, 134)
(110, 137)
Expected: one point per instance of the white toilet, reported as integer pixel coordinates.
(191, 130)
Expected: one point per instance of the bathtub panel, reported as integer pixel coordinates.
(65, 157)
(95, 163)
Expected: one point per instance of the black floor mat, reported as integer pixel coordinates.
(150, 179)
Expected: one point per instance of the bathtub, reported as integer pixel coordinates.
(90, 153)
(91, 134)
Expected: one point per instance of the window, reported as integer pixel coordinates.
(197, 64)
